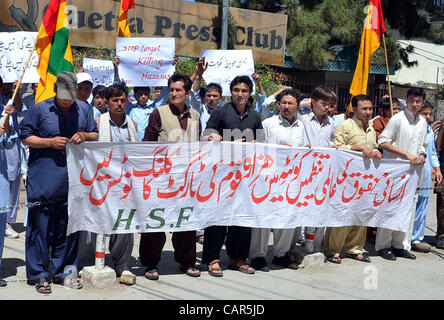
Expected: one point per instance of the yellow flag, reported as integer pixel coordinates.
(370, 42)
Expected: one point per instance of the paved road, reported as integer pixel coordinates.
(403, 279)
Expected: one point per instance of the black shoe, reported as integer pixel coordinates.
(120, 268)
(402, 253)
(260, 264)
(387, 254)
(3, 283)
(285, 262)
(440, 243)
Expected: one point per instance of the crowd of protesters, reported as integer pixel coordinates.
(32, 150)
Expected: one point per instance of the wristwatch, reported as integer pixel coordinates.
(423, 154)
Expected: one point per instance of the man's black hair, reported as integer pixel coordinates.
(214, 87)
(99, 89)
(322, 93)
(242, 79)
(428, 104)
(181, 77)
(116, 90)
(135, 89)
(416, 92)
(290, 92)
(385, 103)
(360, 97)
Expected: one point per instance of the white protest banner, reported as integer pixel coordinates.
(15, 48)
(146, 61)
(101, 71)
(225, 65)
(147, 187)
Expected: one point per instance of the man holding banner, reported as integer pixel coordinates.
(285, 129)
(115, 125)
(353, 134)
(175, 122)
(243, 123)
(404, 137)
(46, 129)
(320, 132)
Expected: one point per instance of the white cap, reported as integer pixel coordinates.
(83, 76)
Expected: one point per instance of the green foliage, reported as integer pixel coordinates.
(311, 32)
(440, 94)
(309, 51)
(78, 53)
(437, 34)
(316, 25)
(270, 78)
(185, 65)
(231, 42)
(406, 17)
(393, 51)
(260, 5)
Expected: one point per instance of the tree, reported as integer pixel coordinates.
(314, 26)
(311, 32)
(260, 5)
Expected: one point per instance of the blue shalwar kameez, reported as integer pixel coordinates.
(422, 206)
(13, 157)
(46, 240)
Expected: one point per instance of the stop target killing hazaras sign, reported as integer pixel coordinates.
(146, 61)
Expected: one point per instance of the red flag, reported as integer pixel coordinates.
(123, 27)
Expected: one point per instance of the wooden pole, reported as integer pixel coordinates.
(20, 81)
(388, 75)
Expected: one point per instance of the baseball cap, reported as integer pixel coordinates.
(83, 76)
(66, 85)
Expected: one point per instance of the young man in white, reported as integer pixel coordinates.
(320, 132)
(404, 137)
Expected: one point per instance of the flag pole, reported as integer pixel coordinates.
(20, 81)
(388, 75)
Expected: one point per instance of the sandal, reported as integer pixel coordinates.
(190, 271)
(73, 284)
(359, 256)
(41, 288)
(241, 266)
(334, 259)
(152, 272)
(211, 269)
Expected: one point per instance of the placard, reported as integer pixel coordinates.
(225, 65)
(15, 48)
(146, 61)
(101, 71)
